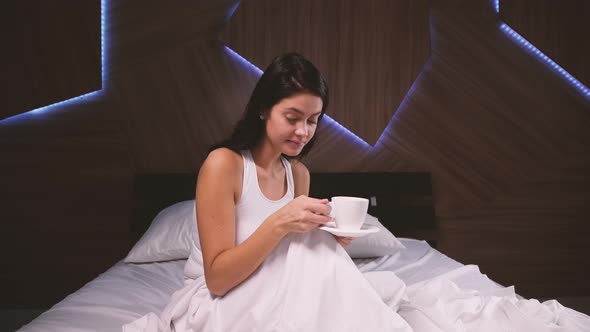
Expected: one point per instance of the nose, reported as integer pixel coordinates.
(301, 129)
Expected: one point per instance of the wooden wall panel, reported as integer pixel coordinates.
(177, 104)
(369, 71)
(65, 192)
(508, 149)
(505, 139)
(46, 61)
(560, 29)
(138, 32)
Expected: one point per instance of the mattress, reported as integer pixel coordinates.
(126, 292)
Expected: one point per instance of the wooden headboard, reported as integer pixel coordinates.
(402, 201)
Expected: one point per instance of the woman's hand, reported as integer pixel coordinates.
(302, 214)
(344, 241)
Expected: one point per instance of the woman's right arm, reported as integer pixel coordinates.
(227, 265)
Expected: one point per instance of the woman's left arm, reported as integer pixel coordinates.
(300, 178)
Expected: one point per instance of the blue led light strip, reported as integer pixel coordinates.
(103, 52)
(572, 80)
(541, 56)
(557, 68)
(78, 98)
(338, 126)
(497, 5)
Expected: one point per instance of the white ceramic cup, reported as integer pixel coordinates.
(349, 212)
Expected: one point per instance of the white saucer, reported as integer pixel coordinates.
(330, 227)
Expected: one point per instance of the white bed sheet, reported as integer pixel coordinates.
(420, 262)
(121, 294)
(126, 292)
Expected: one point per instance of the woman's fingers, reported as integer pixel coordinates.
(306, 213)
(319, 206)
(344, 241)
(319, 219)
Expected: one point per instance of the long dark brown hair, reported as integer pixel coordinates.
(288, 74)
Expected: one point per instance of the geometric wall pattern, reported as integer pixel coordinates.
(559, 29)
(369, 74)
(46, 61)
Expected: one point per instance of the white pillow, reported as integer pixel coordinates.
(382, 243)
(169, 237)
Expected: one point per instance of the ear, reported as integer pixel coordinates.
(264, 114)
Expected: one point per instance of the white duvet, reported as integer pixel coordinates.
(308, 283)
(439, 304)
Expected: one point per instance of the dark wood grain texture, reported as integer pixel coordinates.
(560, 29)
(504, 139)
(352, 43)
(46, 60)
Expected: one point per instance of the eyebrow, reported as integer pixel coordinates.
(301, 112)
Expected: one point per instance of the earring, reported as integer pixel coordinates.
(261, 117)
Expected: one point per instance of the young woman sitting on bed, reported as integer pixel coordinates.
(266, 266)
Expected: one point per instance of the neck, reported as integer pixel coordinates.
(266, 158)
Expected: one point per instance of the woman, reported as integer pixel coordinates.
(280, 121)
(265, 265)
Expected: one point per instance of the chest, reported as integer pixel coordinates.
(272, 186)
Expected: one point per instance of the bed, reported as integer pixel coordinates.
(163, 223)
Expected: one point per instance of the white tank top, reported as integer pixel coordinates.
(253, 207)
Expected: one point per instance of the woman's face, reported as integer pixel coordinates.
(292, 122)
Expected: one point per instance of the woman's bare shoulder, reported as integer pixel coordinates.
(223, 159)
(300, 177)
(222, 163)
(299, 168)
(221, 172)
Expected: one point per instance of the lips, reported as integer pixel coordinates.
(295, 143)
